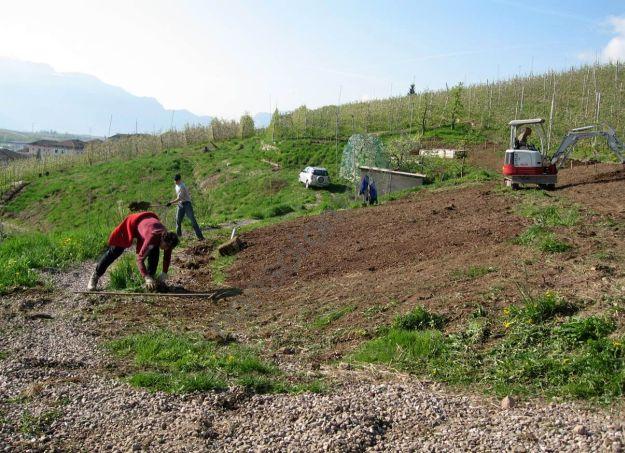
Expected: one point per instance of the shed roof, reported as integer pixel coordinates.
(529, 121)
(394, 172)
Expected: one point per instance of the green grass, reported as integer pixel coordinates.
(21, 255)
(3, 355)
(229, 183)
(328, 318)
(399, 347)
(546, 214)
(124, 274)
(182, 363)
(551, 215)
(545, 240)
(419, 319)
(542, 349)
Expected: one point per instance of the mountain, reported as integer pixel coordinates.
(35, 94)
(262, 119)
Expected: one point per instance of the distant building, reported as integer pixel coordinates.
(7, 155)
(47, 148)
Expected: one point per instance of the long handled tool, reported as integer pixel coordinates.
(215, 295)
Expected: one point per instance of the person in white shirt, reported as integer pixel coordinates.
(183, 198)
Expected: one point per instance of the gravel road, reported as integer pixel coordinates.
(58, 393)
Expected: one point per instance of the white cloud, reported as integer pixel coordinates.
(615, 49)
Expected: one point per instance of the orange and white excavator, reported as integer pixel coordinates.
(527, 162)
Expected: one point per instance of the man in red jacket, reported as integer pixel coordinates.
(151, 236)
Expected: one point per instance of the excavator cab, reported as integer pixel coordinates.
(525, 161)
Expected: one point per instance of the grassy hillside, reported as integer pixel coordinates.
(580, 96)
(232, 182)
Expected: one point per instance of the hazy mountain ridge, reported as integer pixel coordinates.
(34, 95)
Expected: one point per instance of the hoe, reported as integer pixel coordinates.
(527, 163)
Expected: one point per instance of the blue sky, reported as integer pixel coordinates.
(225, 58)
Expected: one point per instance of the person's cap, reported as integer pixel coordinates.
(177, 177)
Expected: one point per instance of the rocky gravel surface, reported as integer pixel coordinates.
(58, 393)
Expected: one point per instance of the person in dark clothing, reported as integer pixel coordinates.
(373, 193)
(364, 188)
(151, 236)
(521, 141)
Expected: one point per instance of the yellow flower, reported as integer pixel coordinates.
(506, 311)
(616, 343)
(507, 324)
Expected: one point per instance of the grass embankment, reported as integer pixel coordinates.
(539, 348)
(229, 183)
(181, 363)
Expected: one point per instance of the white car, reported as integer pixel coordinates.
(314, 176)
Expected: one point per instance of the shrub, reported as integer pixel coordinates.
(419, 319)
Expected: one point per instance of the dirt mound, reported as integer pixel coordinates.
(194, 258)
(374, 240)
(599, 187)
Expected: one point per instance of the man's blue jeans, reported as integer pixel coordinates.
(186, 208)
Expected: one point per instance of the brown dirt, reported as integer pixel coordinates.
(382, 261)
(373, 241)
(600, 187)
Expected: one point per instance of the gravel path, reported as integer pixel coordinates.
(56, 395)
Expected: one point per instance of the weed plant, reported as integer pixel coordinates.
(330, 317)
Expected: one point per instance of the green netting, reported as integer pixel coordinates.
(362, 149)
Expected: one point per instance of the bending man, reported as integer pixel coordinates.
(151, 236)
(183, 198)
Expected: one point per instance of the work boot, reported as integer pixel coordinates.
(93, 282)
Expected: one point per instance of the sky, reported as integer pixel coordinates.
(224, 58)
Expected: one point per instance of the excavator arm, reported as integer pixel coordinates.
(574, 135)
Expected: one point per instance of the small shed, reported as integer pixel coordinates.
(387, 181)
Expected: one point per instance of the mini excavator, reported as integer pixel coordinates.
(528, 163)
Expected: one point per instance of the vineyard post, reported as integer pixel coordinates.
(597, 113)
(553, 101)
(412, 96)
(336, 137)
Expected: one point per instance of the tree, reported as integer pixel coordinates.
(427, 100)
(246, 126)
(400, 149)
(456, 108)
(411, 90)
(275, 121)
